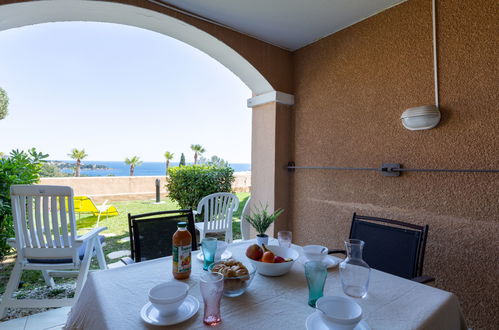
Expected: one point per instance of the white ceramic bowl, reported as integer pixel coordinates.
(339, 312)
(167, 297)
(276, 269)
(315, 252)
(221, 247)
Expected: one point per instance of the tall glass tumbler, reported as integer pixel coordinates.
(209, 249)
(316, 273)
(284, 238)
(212, 287)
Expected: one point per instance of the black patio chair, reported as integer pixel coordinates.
(391, 246)
(151, 234)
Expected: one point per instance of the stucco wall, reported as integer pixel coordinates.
(351, 89)
(122, 188)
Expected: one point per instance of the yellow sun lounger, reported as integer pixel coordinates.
(84, 204)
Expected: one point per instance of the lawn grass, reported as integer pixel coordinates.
(116, 232)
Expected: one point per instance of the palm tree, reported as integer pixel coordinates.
(78, 155)
(198, 150)
(168, 156)
(134, 161)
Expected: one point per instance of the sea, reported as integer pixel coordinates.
(117, 168)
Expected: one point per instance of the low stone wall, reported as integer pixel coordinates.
(122, 188)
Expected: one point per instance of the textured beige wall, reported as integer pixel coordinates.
(122, 188)
(351, 89)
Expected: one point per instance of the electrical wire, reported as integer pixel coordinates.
(435, 60)
(468, 170)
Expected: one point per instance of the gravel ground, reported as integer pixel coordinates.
(60, 291)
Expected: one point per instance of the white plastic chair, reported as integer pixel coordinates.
(217, 210)
(245, 226)
(46, 240)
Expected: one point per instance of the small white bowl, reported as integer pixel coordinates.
(167, 297)
(315, 252)
(221, 247)
(276, 269)
(339, 312)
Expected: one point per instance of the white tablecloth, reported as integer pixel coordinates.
(112, 299)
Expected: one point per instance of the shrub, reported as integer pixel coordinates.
(19, 167)
(49, 170)
(189, 184)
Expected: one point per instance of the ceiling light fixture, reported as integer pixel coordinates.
(427, 116)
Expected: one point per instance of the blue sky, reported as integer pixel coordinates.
(118, 91)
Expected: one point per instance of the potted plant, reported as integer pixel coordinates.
(261, 221)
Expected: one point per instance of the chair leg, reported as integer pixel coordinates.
(100, 254)
(12, 286)
(48, 279)
(85, 265)
(98, 219)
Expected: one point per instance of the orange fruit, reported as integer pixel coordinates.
(268, 257)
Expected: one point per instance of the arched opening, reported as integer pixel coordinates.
(33, 12)
(270, 119)
(119, 91)
(270, 115)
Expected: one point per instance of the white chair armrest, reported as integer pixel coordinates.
(195, 212)
(90, 234)
(103, 207)
(200, 208)
(12, 242)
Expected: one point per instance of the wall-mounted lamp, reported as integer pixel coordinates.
(418, 118)
(426, 116)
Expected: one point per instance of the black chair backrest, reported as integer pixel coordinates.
(151, 233)
(391, 246)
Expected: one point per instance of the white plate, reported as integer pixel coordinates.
(314, 322)
(188, 308)
(330, 261)
(226, 255)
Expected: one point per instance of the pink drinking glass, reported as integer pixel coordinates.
(212, 287)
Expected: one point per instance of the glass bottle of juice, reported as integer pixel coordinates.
(182, 246)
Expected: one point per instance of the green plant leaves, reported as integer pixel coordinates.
(261, 219)
(4, 104)
(189, 184)
(20, 167)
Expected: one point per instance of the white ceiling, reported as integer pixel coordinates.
(290, 24)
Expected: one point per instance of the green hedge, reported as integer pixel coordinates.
(189, 184)
(19, 167)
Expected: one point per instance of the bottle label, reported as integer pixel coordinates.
(182, 258)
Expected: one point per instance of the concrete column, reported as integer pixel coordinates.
(270, 153)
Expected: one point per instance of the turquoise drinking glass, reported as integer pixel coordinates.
(209, 248)
(316, 273)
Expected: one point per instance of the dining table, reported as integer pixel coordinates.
(113, 299)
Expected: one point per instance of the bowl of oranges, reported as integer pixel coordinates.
(271, 260)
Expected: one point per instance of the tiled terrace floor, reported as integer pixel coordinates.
(53, 319)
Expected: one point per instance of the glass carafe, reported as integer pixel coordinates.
(354, 272)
